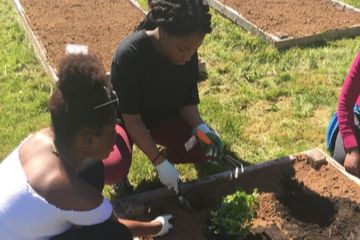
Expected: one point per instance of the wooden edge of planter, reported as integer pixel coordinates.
(344, 6)
(237, 18)
(137, 5)
(134, 205)
(39, 49)
(327, 35)
(283, 42)
(317, 153)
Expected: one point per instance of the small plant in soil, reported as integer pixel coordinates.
(232, 219)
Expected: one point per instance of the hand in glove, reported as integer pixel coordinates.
(211, 143)
(168, 175)
(165, 225)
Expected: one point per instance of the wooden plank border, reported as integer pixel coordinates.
(134, 205)
(343, 6)
(39, 49)
(283, 42)
(333, 162)
(137, 5)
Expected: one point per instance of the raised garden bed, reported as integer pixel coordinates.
(99, 24)
(298, 200)
(288, 23)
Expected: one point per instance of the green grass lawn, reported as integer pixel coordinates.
(265, 103)
(24, 87)
(355, 3)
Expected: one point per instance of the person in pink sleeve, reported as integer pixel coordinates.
(346, 150)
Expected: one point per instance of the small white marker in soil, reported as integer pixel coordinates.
(76, 49)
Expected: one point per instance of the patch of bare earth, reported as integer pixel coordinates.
(100, 24)
(294, 18)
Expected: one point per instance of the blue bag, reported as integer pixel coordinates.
(333, 129)
(331, 133)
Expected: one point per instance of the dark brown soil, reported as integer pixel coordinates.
(296, 202)
(295, 18)
(100, 24)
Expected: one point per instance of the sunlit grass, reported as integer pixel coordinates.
(272, 96)
(355, 3)
(24, 87)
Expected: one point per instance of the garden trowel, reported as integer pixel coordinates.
(184, 202)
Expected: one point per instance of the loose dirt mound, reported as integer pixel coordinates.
(296, 202)
(308, 215)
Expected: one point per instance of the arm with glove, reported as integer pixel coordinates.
(156, 228)
(168, 174)
(206, 136)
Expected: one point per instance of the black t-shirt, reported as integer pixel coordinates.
(148, 84)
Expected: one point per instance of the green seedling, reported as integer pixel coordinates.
(233, 217)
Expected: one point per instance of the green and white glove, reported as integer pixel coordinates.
(209, 141)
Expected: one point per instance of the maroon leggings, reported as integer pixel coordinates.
(172, 134)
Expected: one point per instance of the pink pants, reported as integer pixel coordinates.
(172, 134)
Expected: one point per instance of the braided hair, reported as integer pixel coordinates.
(82, 85)
(178, 17)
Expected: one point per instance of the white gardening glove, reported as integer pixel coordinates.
(210, 141)
(165, 225)
(168, 175)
